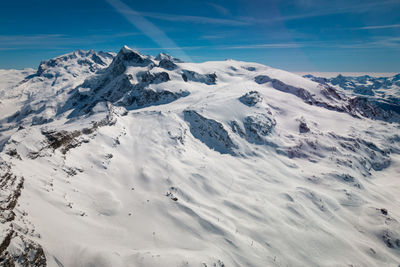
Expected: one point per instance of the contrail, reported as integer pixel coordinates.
(148, 28)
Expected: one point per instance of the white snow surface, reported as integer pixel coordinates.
(201, 178)
(9, 79)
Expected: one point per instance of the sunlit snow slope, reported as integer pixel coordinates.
(131, 160)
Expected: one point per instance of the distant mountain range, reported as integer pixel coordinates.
(382, 90)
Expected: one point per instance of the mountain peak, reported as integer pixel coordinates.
(165, 56)
(128, 57)
(128, 53)
(79, 57)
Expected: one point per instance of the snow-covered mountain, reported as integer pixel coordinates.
(384, 91)
(133, 160)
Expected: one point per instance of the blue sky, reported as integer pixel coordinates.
(303, 35)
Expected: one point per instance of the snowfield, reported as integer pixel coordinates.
(133, 160)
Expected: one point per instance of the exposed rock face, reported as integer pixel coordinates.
(321, 80)
(167, 64)
(128, 57)
(26, 253)
(66, 140)
(147, 97)
(257, 127)
(193, 76)
(235, 127)
(153, 78)
(163, 56)
(210, 132)
(16, 249)
(390, 239)
(281, 86)
(251, 98)
(374, 110)
(11, 187)
(303, 128)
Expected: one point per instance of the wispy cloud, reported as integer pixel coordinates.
(7, 48)
(32, 39)
(173, 48)
(377, 43)
(264, 46)
(194, 19)
(383, 43)
(47, 40)
(146, 27)
(245, 21)
(59, 41)
(257, 46)
(333, 10)
(212, 37)
(222, 10)
(377, 27)
(52, 41)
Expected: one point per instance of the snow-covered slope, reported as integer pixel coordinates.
(136, 160)
(9, 79)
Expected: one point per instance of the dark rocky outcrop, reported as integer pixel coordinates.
(303, 127)
(167, 64)
(128, 57)
(23, 252)
(251, 98)
(209, 79)
(257, 127)
(209, 132)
